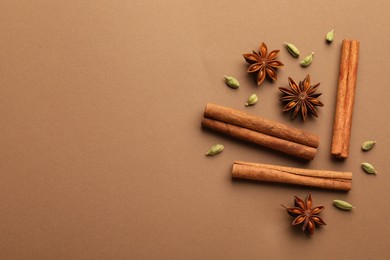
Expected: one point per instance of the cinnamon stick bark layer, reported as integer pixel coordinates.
(279, 174)
(345, 98)
(261, 131)
(262, 125)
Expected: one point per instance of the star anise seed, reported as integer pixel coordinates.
(262, 63)
(302, 97)
(305, 215)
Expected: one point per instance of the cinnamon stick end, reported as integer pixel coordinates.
(339, 154)
(206, 109)
(234, 170)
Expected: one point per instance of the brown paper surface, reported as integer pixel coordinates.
(101, 149)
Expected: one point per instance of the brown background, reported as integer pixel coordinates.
(101, 149)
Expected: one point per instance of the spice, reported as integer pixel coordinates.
(216, 149)
(297, 150)
(368, 145)
(345, 99)
(296, 176)
(330, 36)
(231, 82)
(301, 97)
(260, 131)
(343, 205)
(369, 168)
(306, 215)
(307, 60)
(292, 49)
(251, 100)
(261, 125)
(263, 63)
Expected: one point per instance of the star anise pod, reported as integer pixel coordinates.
(301, 97)
(304, 214)
(262, 63)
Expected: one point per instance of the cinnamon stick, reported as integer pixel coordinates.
(279, 174)
(295, 149)
(345, 98)
(262, 125)
(338, 126)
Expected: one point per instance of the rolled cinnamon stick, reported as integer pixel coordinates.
(345, 99)
(338, 126)
(262, 125)
(295, 149)
(279, 174)
(351, 91)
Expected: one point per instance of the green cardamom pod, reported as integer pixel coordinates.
(369, 168)
(368, 145)
(307, 60)
(343, 205)
(251, 100)
(329, 36)
(231, 82)
(292, 49)
(215, 149)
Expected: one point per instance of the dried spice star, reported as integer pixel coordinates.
(305, 215)
(262, 63)
(301, 97)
